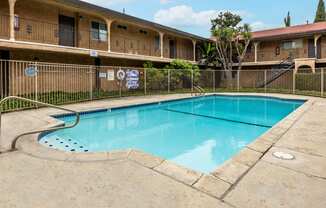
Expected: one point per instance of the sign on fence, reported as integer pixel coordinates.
(110, 76)
(31, 71)
(132, 79)
(102, 75)
(121, 75)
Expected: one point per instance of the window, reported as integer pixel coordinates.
(157, 42)
(99, 31)
(122, 27)
(293, 44)
(143, 32)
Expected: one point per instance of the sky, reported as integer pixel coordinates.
(194, 15)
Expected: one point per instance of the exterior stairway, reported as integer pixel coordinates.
(283, 68)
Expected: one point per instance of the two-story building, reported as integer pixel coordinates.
(73, 31)
(304, 45)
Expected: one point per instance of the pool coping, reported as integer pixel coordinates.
(217, 184)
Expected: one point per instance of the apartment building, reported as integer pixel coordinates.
(73, 31)
(301, 45)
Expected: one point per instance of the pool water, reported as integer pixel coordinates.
(198, 133)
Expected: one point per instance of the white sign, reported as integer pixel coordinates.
(110, 76)
(121, 75)
(93, 53)
(102, 75)
(132, 79)
(31, 71)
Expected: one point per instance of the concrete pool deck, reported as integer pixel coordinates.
(253, 178)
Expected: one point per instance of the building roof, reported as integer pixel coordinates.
(290, 32)
(116, 14)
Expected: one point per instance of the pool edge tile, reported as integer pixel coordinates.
(147, 160)
(178, 172)
(212, 185)
(230, 171)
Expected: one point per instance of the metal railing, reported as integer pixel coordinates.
(58, 84)
(198, 91)
(51, 32)
(13, 145)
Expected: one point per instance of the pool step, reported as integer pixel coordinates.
(68, 145)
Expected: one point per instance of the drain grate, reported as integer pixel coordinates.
(283, 156)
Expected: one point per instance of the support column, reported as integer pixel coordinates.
(12, 19)
(316, 38)
(194, 49)
(161, 44)
(256, 44)
(108, 25)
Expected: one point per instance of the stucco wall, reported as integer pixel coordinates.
(267, 51)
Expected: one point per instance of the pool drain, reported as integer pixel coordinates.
(283, 156)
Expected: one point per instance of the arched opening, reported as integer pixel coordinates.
(305, 69)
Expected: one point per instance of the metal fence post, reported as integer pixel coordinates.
(238, 81)
(265, 81)
(36, 82)
(214, 84)
(192, 80)
(90, 83)
(120, 86)
(293, 82)
(169, 80)
(145, 82)
(322, 83)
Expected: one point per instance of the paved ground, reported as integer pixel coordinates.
(28, 181)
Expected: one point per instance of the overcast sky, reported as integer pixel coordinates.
(194, 15)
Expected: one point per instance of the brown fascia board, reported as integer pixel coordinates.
(115, 14)
(289, 36)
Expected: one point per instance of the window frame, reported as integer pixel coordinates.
(99, 32)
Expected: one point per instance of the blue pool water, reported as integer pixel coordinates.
(198, 133)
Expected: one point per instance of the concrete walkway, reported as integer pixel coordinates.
(29, 181)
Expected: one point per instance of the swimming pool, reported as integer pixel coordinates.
(198, 133)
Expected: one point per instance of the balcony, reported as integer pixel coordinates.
(42, 34)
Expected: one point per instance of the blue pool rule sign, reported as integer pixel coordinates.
(132, 79)
(31, 71)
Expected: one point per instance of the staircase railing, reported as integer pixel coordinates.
(199, 90)
(277, 72)
(13, 144)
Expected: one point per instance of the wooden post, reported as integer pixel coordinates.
(12, 19)
(316, 38)
(161, 44)
(256, 51)
(194, 49)
(108, 25)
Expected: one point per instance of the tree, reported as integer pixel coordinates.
(182, 73)
(208, 54)
(287, 20)
(232, 39)
(320, 13)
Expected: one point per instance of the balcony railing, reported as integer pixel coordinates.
(270, 55)
(44, 32)
(50, 33)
